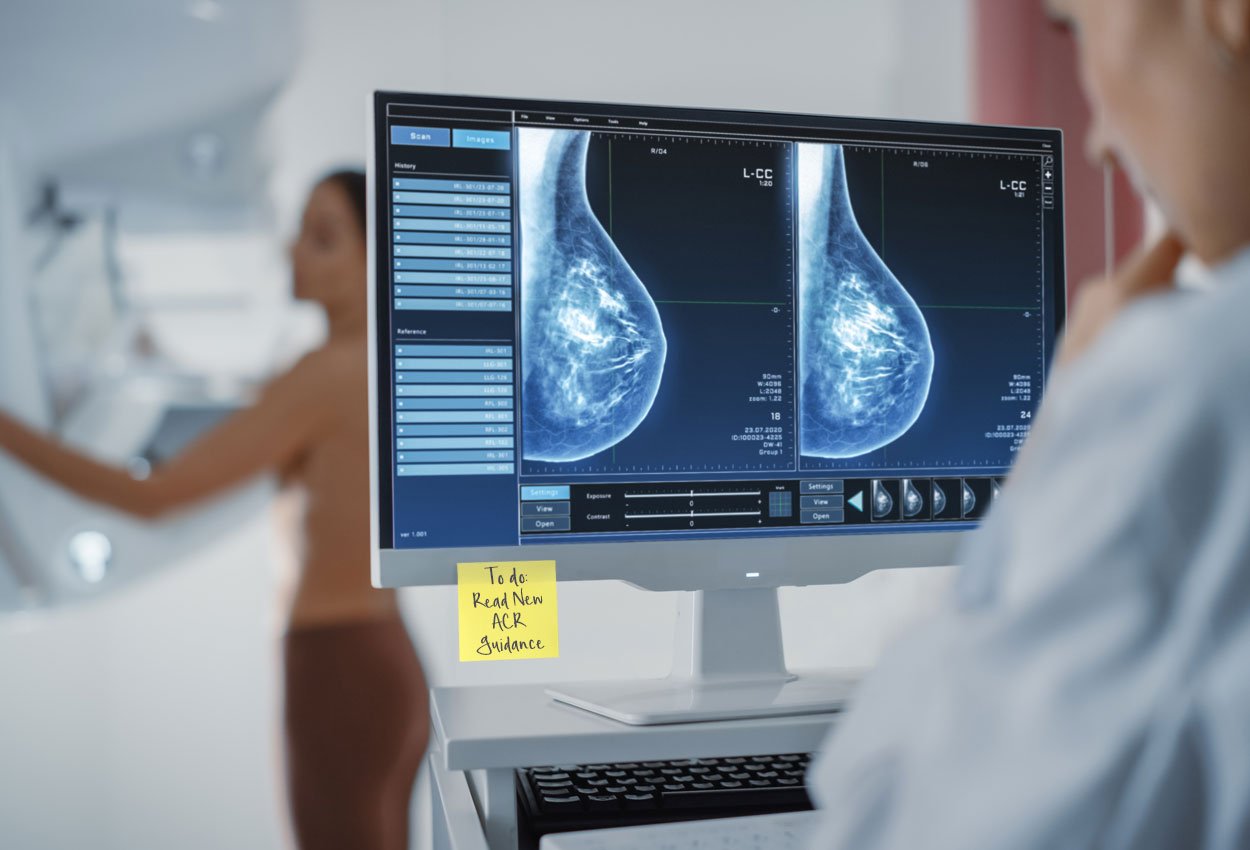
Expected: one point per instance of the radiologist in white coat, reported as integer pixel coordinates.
(1087, 683)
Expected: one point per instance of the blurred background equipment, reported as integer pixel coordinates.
(124, 121)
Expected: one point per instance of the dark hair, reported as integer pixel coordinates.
(352, 181)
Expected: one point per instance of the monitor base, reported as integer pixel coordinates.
(652, 702)
(736, 669)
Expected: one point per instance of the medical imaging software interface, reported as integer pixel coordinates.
(603, 322)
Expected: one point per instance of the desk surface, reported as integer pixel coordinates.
(519, 726)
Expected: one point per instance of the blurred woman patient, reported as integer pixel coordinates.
(356, 711)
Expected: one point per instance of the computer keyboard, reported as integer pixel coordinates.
(785, 831)
(593, 796)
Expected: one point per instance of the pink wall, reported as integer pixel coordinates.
(1026, 73)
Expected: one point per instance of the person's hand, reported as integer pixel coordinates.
(1150, 270)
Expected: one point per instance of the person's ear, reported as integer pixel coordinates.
(1228, 25)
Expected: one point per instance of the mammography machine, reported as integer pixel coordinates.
(119, 153)
(704, 350)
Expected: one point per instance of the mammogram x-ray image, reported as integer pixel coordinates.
(865, 359)
(593, 347)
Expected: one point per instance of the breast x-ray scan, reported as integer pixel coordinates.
(672, 285)
(865, 359)
(595, 348)
(646, 265)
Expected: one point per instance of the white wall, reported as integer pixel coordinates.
(847, 57)
(147, 720)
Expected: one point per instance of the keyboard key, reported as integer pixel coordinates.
(640, 801)
(602, 803)
(719, 798)
(615, 789)
(557, 805)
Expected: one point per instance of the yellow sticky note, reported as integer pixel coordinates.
(508, 610)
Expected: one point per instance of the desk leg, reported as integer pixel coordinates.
(495, 791)
(456, 825)
(440, 832)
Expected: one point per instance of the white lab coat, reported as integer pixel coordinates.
(1087, 684)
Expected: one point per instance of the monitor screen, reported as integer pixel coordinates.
(606, 323)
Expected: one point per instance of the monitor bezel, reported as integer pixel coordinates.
(677, 565)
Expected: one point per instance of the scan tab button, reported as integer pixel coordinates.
(545, 509)
(433, 137)
(824, 485)
(545, 493)
(537, 523)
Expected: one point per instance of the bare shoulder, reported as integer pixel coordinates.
(344, 363)
(333, 363)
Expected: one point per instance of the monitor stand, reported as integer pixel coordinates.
(737, 670)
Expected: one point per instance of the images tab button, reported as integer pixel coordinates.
(500, 140)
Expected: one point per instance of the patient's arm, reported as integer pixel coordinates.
(269, 435)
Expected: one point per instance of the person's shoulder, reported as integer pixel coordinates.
(333, 362)
(324, 368)
(1185, 345)
(1167, 372)
(1200, 340)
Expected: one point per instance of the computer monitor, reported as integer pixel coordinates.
(697, 349)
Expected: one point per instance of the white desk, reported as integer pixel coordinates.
(482, 734)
